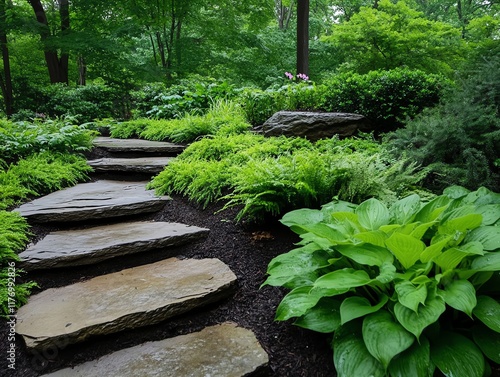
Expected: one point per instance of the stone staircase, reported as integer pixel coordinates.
(134, 297)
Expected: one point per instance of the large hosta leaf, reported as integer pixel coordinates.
(372, 214)
(405, 248)
(374, 237)
(489, 236)
(434, 250)
(488, 312)
(324, 317)
(350, 355)
(414, 362)
(302, 216)
(455, 355)
(432, 210)
(357, 307)
(487, 262)
(488, 341)
(297, 303)
(366, 254)
(426, 315)
(404, 210)
(490, 213)
(460, 295)
(297, 267)
(385, 338)
(410, 295)
(346, 278)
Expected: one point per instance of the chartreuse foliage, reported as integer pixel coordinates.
(406, 289)
(224, 117)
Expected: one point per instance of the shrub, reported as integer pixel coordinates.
(224, 117)
(13, 238)
(405, 289)
(190, 96)
(458, 141)
(387, 98)
(40, 174)
(268, 176)
(21, 139)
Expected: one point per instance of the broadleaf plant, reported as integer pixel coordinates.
(407, 289)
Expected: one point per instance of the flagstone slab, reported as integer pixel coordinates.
(93, 245)
(137, 145)
(219, 351)
(151, 165)
(122, 300)
(92, 201)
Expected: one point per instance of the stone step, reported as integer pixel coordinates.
(93, 201)
(147, 165)
(93, 245)
(137, 146)
(219, 351)
(122, 300)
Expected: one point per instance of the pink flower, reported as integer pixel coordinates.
(303, 76)
(289, 75)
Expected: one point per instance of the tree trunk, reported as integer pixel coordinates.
(58, 68)
(303, 36)
(6, 79)
(82, 71)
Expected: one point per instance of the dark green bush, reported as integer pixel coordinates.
(387, 98)
(189, 96)
(20, 139)
(84, 103)
(458, 141)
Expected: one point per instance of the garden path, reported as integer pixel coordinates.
(135, 297)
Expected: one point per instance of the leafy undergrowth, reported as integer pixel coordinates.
(223, 118)
(406, 290)
(37, 161)
(269, 176)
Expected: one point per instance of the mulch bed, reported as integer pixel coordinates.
(246, 249)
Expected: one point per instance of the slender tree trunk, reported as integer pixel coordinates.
(6, 78)
(82, 71)
(303, 36)
(58, 68)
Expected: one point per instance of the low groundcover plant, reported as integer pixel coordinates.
(410, 290)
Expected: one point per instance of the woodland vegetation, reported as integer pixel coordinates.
(425, 72)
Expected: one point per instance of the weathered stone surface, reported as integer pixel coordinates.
(122, 300)
(150, 165)
(219, 351)
(95, 200)
(314, 126)
(93, 245)
(137, 145)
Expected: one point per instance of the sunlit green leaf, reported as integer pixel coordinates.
(385, 338)
(432, 210)
(356, 307)
(434, 250)
(366, 254)
(404, 210)
(324, 317)
(302, 216)
(450, 259)
(411, 296)
(350, 355)
(374, 237)
(405, 248)
(428, 314)
(372, 214)
(490, 213)
(455, 355)
(461, 224)
(420, 230)
(460, 295)
(343, 279)
(297, 303)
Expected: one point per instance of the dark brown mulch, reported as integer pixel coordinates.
(247, 250)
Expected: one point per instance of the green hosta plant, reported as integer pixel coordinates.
(409, 290)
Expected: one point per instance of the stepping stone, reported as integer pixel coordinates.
(221, 350)
(137, 145)
(93, 245)
(150, 165)
(130, 298)
(95, 200)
